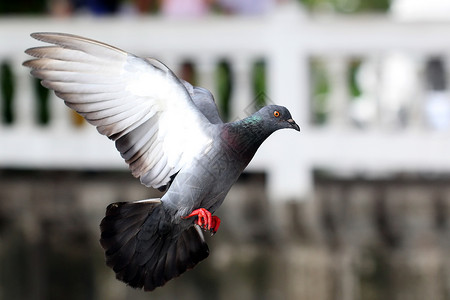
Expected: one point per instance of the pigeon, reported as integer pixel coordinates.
(171, 136)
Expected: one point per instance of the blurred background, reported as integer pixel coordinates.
(356, 206)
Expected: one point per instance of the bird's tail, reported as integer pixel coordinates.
(144, 248)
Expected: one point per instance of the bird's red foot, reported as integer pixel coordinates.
(205, 220)
(215, 223)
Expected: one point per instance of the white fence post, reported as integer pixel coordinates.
(290, 175)
(241, 95)
(337, 67)
(60, 115)
(206, 67)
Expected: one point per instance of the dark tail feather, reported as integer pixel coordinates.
(144, 249)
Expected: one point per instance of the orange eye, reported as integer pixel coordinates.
(276, 113)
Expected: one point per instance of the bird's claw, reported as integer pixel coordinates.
(205, 220)
(215, 223)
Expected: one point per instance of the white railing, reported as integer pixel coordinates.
(287, 41)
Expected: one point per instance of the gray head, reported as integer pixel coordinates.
(277, 117)
(246, 135)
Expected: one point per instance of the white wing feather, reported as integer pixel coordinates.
(139, 103)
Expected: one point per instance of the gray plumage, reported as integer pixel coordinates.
(170, 134)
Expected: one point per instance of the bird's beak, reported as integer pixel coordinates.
(293, 124)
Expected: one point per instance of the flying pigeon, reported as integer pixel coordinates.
(171, 136)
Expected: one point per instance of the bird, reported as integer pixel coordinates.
(172, 137)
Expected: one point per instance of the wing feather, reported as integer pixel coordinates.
(71, 76)
(139, 103)
(108, 106)
(71, 66)
(95, 97)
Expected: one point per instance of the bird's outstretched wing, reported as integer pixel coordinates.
(139, 103)
(204, 101)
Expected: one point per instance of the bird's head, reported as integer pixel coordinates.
(277, 117)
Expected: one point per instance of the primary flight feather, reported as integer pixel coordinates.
(170, 134)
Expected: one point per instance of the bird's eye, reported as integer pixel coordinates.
(276, 113)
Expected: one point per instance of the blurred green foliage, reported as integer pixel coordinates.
(355, 90)
(259, 83)
(7, 93)
(43, 109)
(224, 88)
(347, 6)
(320, 89)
